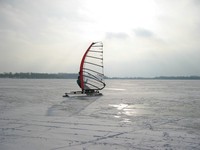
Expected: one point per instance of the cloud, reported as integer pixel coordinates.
(143, 33)
(38, 35)
(195, 2)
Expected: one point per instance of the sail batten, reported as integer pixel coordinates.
(93, 78)
(94, 64)
(94, 71)
(96, 51)
(95, 57)
(98, 46)
(91, 68)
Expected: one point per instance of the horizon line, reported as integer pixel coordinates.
(60, 75)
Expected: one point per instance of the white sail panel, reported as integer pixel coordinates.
(92, 71)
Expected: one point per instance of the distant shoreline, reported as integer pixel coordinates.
(75, 75)
(162, 78)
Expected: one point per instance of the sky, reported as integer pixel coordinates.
(142, 38)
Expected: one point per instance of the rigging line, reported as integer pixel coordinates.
(94, 57)
(91, 76)
(97, 88)
(101, 86)
(94, 71)
(97, 46)
(93, 64)
(94, 82)
(96, 79)
(89, 73)
(96, 51)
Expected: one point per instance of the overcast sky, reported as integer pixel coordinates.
(142, 38)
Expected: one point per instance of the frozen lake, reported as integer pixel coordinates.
(131, 114)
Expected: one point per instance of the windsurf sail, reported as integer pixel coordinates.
(91, 68)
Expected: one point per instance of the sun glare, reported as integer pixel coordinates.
(121, 15)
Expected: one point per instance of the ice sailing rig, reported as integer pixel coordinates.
(91, 73)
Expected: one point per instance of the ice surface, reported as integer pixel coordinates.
(131, 114)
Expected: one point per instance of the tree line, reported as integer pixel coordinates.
(39, 75)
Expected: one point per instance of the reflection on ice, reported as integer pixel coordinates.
(116, 116)
(115, 89)
(128, 110)
(124, 109)
(126, 120)
(120, 106)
